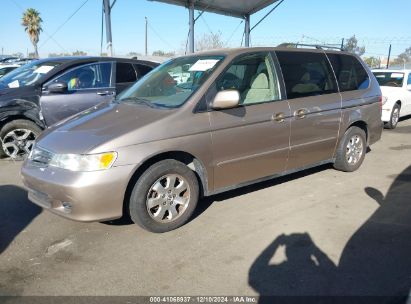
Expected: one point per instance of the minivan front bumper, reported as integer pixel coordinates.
(79, 196)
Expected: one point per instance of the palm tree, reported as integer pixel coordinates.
(32, 25)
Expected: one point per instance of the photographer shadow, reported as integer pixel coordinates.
(306, 270)
(16, 213)
(376, 261)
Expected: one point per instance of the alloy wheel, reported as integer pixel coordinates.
(168, 198)
(354, 149)
(18, 143)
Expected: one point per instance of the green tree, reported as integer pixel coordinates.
(32, 25)
(404, 57)
(133, 54)
(352, 46)
(161, 53)
(79, 53)
(372, 62)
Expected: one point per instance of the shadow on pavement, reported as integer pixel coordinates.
(376, 261)
(16, 213)
(206, 202)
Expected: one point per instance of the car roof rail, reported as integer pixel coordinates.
(316, 46)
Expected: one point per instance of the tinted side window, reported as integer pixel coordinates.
(254, 78)
(350, 73)
(125, 73)
(89, 76)
(142, 69)
(306, 74)
(409, 79)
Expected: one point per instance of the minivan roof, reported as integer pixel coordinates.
(238, 51)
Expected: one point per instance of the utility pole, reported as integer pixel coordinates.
(389, 56)
(109, 38)
(146, 38)
(342, 44)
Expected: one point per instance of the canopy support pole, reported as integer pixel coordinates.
(247, 30)
(191, 24)
(109, 38)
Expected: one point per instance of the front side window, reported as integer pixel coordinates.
(306, 74)
(409, 79)
(350, 73)
(89, 76)
(254, 77)
(28, 74)
(172, 83)
(389, 79)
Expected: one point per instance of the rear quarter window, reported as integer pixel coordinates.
(351, 74)
(142, 69)
(125, 73)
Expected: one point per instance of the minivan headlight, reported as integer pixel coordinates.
(86, 163)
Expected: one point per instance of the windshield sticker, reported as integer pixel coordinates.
(397, 75)
(203, 65)
(44, 69)
(14, 84)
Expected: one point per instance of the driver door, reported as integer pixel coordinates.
(87, 86)
(250, 141)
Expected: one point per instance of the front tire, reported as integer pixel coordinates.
(394, 118)
(351, 151)
(17, 138)
(164, 197)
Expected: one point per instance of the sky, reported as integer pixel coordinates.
(375, 23)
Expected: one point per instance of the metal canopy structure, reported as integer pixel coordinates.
(234, 8)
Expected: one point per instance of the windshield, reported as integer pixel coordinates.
(390, 79)
(172, 83)
(27, 74)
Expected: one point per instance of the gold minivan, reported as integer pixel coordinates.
(203, 124)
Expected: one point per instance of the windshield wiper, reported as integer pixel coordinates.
(135, 100)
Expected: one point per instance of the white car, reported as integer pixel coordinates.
(396, 90)
(4, 69)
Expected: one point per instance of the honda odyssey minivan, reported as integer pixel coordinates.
(240, 117)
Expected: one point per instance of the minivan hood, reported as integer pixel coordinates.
(101, 125)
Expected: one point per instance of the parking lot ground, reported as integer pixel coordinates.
(316, 232)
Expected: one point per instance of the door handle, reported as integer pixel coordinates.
(105, 93)
(279, 117)
(301, 113)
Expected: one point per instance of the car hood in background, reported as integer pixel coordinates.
(120, 124)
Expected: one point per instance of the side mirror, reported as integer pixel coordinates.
(58, 87)
(409, 87)
(226, 100)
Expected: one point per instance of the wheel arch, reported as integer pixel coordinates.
(195, 164)
(362, 125)
(9, 117)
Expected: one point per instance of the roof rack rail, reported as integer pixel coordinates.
(317, 46)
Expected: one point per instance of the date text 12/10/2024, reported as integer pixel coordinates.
(204, 299)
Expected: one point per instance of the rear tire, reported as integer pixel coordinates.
(351, 151)
(394, 118)
(164, 197)
(17, 138)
